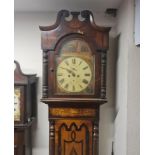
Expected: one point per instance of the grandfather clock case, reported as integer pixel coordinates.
(25, 86)
(74, 81)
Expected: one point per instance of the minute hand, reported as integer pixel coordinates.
(69, 71)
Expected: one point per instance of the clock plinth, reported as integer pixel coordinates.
(74, 81)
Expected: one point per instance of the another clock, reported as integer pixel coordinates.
(18, 101)
(74, 81)
(24, 109)
(24, 95)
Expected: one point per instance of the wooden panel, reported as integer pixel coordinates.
(19, 143)
(72, 112)
(73, 137)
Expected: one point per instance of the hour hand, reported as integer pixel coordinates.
(74, 69)
(70, 71)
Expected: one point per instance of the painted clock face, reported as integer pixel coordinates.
(75, 68)
(74, 74)
(17, 96)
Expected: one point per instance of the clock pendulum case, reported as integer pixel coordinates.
(74, 81)
(25, 86)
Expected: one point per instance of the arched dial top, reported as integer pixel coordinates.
(75, 68)
(75, 45)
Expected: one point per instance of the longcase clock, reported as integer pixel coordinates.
(25, 86)
(74, 81)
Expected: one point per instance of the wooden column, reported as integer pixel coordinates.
(103, 74)
(45, 74)
(95, 138)
(52, 138)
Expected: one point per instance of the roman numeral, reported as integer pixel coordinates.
(62, 81)
(73, 88)
(87, 74)
(85, 81)
(80, 86)
(59, 74)
(66, 62)
(66, 86)
(73, 61)
(80, 63)
(85, 68)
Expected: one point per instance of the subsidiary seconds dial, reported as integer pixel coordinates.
(73, 74)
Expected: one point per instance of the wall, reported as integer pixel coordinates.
(133, 106)
(28, 53)
(127, 84)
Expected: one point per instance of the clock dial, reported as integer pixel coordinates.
(74, 74)
(17, 95)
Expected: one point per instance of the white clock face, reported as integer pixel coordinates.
(74, 74)
(17, 95)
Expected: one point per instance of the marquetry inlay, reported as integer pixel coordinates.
(72, 112)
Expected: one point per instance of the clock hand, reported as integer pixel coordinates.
(70, 68)
(74, 69)
(69, 71)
